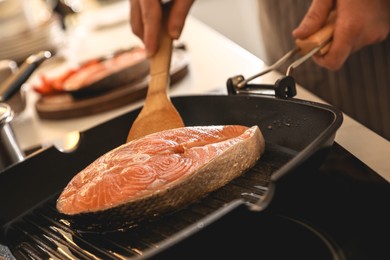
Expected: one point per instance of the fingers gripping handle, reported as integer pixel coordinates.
(319, 38)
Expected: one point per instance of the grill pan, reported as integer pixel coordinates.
(297, 132)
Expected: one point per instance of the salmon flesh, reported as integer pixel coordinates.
(160, 173)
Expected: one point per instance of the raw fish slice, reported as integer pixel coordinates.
(159, 173)
(97, 75)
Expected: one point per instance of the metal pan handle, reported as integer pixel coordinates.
(319, 42)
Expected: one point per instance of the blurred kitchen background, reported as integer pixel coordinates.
(239, 22)
(28, 26)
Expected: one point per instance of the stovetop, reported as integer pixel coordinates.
(340, 211)
(346, 200)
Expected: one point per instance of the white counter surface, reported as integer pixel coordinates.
(212, 60)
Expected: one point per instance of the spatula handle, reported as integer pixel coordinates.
(160, 62)
(319, 38)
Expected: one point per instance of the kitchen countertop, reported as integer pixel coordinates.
(212, 60)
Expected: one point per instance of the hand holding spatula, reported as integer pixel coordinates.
(158, 112)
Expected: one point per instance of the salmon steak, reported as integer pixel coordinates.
(159, 173)
(97, 75)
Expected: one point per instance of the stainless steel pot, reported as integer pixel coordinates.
(10, 151)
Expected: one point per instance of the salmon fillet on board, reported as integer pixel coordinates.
(159, 173)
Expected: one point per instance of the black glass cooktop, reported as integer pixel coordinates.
(340, 211)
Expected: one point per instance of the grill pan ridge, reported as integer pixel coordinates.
(294, 131)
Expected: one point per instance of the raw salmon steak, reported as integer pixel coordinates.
(160, 172)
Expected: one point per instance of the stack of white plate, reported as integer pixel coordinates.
(27, 27)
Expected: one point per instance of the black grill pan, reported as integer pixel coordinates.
(298, 133)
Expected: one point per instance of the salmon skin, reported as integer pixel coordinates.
(157, 174)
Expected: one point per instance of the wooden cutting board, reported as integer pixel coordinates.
(65, 106)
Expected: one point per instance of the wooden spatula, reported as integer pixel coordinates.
(158, 112)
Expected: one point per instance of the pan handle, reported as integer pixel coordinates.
(319, 42)
(15, 81)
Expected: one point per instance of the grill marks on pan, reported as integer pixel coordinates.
(42, 233)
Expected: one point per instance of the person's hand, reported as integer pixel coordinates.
(358, 23)
(145, 20)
